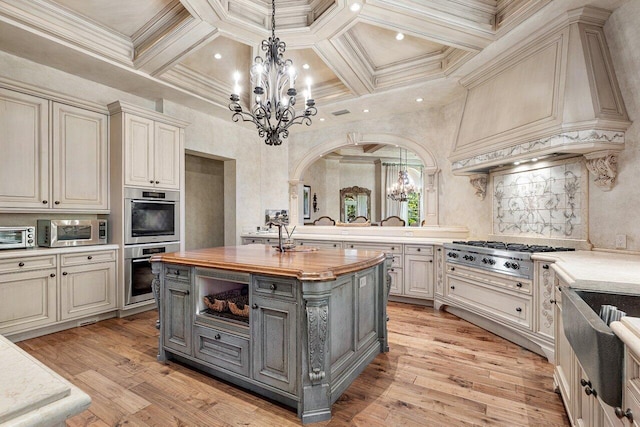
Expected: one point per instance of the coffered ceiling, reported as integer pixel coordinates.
(168, 48)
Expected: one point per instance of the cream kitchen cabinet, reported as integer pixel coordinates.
(65, 167)
(152, 153)
(28, 292)
(418, 267)
(87, 284)
(545, 317)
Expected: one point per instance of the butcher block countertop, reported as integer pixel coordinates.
(302, 263)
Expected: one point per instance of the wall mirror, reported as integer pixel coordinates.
(355, 201)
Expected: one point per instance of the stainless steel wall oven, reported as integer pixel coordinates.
(137, 270)
(151, 216)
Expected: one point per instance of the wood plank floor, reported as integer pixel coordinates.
(441, 371)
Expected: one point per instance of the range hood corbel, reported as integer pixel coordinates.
(554, 95)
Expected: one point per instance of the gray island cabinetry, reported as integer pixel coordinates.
(296, 327)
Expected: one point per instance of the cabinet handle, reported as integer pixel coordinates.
(89, 257)
(545, 266)
(589, 391)
(585, 383)
(452, 287)
(518, 309)
(217, 337)
(44, 202)
(626, 414)
(254, 306)
(52, 275)
(552, 301)
(273, 287)
(57, 202)
(21, 264)
(453, 269)
(519, 284)
(64, 273)
(186, 292)
(157, 182)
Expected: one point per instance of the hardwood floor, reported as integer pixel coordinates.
(441, 371)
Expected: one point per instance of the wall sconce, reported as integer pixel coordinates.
(315, 203)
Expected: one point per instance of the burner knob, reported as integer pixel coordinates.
(485, 261)
(515, 266)
(466, 257)
(472, 258)
(452, 254)
(492, 261)
(507, 264)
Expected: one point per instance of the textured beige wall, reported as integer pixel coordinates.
(616, 211)
(204, 202)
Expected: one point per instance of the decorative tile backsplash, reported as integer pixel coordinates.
(549, 202)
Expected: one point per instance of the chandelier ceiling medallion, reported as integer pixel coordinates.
(273, 110)
(403, 187)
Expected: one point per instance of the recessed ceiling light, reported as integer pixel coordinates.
(322, 119)
(365, 111)
(535, 159)
(419, 99)
(355, 7)
(305, 66)
(217, 56)
(516, 163)
(399, 36)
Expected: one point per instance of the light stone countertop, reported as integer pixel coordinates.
(33, 395)
(596, 270)
(628, 330)
(404, 238)
(37, 251)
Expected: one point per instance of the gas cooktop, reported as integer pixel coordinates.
(516, 247)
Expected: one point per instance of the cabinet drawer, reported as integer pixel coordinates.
(397, 261)
(319, 243)
(16, 265)
(516, 284)
(252, 240)
(178, 272)
(222, 349)
(84, 258)
(276, 287)
(418, 250)
(495, 303)
(390, 248)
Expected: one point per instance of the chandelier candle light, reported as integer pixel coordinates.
(402, 188)
(273, 110)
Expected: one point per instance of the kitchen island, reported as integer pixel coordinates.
(297, 327)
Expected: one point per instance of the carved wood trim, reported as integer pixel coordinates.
(317, 325)
(603, 165)
(479, 182)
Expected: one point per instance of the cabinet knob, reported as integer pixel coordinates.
(552, 301)
(351, 246)
(52, 275)
(624, 414)
(545, 266)
(151, 182)
(157, 182)
(44, 202)
(585, 383)
(518, 309)
(393, 248)
(273, 287)
(64, 273)
(254, 306)
(391, 269)
(187, 292)
(57, 202)
(216, 337)
(430, 260)
(453, 269)
(589, 391)
(439, 249)
(519, 284)
(452, 287)
(335, 245)
(89, 257)
(416, 249)
(21, 264)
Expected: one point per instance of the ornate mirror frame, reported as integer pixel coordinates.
(354, 192)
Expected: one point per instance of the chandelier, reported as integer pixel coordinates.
(403, 187)
(273, 109)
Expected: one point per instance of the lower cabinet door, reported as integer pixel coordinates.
(396, 281)
(222, 349)
(87, 289)
(178, 316)
(27, 300)
(273, 333)
(418, 276)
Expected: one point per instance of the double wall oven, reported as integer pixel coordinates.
(152, 226)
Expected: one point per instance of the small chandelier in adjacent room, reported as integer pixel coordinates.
(403, 188)
(273, 79)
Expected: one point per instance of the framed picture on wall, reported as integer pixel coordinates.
(306, 202)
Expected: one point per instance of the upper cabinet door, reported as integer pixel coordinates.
(139, 151)
(24, 144)
(167, 156)
(80, 159)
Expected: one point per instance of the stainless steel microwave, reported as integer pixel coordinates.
(55, 233)
(17, 237)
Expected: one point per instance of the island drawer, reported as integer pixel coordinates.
(418, 249)
(319, 243)
(278, 287)
(390, 248)
(83, 258)
(252, 240)
(15, 265)
(180, 273)
(222, 349)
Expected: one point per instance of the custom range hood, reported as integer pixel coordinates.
(555, 94)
